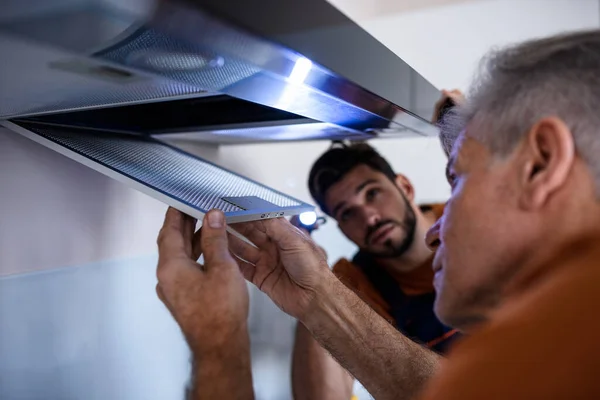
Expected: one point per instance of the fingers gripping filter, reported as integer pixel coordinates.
(177, 178)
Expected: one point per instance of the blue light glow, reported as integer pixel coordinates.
(300, 70)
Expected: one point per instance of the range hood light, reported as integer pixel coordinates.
(294, 93)
(300, 71)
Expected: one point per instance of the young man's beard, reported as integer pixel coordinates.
(408, 225)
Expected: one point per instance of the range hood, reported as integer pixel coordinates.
(104, 81)
(225, 71)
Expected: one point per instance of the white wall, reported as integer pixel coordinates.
(446, 43)
(54, 213)
(93, 333)
(99, 332)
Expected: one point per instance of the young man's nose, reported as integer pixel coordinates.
(371, 216)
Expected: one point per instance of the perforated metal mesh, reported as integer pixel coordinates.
(189, 179)
(157, 52)
(35, 80)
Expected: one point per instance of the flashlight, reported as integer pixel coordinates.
(308, 218)
(310, 221)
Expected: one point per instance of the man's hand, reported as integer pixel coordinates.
(285, 264)
(210, 301)
(290, 269)
(295, 221)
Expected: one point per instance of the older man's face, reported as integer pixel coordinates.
(478, 237)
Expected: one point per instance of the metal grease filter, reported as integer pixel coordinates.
(189, 179)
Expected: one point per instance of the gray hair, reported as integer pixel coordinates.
(517, 86)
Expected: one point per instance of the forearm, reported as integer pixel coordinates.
(224, 371)
(387, 363)
(315, 374)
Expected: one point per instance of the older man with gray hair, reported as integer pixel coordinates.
(517, 260)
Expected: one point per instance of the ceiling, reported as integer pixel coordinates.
(360, 10)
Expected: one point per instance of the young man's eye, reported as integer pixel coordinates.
(372, 193)
(345, 215)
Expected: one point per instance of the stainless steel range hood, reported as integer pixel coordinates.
(101, 81)
(222, 71)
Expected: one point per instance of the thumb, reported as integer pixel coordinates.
(214, 241)
(286, 236)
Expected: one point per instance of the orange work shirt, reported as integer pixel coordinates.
(544, 341)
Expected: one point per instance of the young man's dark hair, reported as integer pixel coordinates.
(332, 166)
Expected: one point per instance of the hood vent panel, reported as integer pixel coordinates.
(175, 177)
(212, 119)
(306, 61)
(174, 116)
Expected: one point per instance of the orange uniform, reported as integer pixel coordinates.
(543, 343)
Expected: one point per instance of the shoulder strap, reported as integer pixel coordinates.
(385, 285)
(414, 315)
